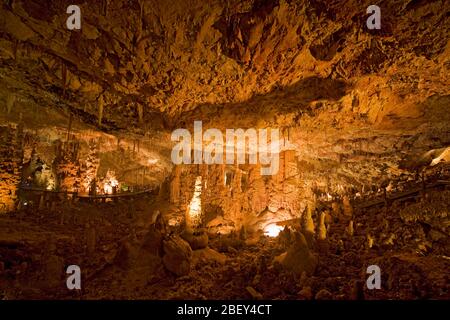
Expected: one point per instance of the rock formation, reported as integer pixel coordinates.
(89, 117)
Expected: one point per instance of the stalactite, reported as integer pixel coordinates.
(69, 128)
(11, 100)
(15, 48)
(11, 153)
(64, 78)
(101, 103)
(140, 109)
(104, 7)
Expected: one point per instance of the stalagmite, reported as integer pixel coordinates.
(336, 209)
(370, 241)
(140, 110)
(175, 185)
(308, 223)
(349, 229)
(90, 239)
(322, 234)
(42, 202)
(348, 209)
(101, 104)
(11, 100)
(194, 212)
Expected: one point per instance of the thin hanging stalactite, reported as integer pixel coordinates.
(64, 78)
(104, 7)
(140, 110)
(11, 100)
(15, 48)
(100, 110)
(69, 128)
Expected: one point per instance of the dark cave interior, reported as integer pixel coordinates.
(359, 172)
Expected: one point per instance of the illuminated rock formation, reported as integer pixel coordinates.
(10, 167)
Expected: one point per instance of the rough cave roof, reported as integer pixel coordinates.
(141, 66)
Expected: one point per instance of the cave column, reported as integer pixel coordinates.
(11, 154)
(194, 209)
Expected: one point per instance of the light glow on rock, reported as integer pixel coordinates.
(272, 230)
(195, 206)
(108, 187)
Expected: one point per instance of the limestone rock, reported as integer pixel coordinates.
(305, 293)
(298, 257)
(324, 294)
(255, 294)
(177, 256)
(336, 209)
(357, 291)
(124, 255)
(54, 268)
(322, 228)
(308, 223)
(208, 255)
(91, 240)
(350, 230)
(347, 207)
(197, 240)
(153, 242)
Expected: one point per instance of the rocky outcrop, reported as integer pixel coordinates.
(353, 102)
(177, 256)
(197, 239)
(298, 258)
(240, 194)
(11, 154)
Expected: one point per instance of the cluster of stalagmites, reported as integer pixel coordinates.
(321, 256)
(325, 253)
(176, 251)
(237, 195)
(10, 166)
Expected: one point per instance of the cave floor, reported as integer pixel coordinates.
(36, 245)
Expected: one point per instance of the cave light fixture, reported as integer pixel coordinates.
(272, 230)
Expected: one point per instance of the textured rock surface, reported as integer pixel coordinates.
(177, 256)
(344, 92)
(10, 166)
(365, 114)
(298, 258)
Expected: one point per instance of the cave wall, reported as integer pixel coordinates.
(240, 194)
(355, 100)
(11, 153)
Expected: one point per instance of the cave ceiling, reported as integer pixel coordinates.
(355, 101)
